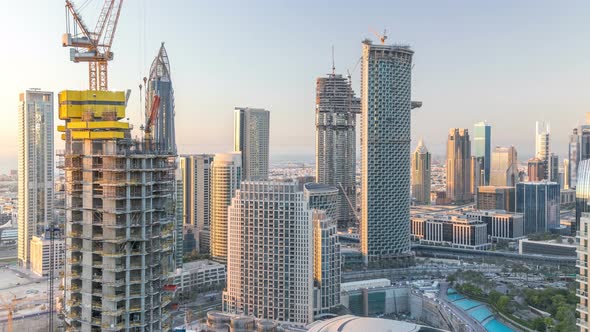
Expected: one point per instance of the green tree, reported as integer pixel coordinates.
(539, 324)
(503, 302)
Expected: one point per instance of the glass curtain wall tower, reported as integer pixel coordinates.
(35, 169)
(482, 147)
(459, 166)
(251, 139)
(160, 84)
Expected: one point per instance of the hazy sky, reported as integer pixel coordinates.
(507, 62)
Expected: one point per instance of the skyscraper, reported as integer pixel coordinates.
(553, 167)
(421, 174)
(582, 193)
(226, 173)
(542, 145)
(574, 157)
(270, 258)
(196, 175)
(566, 174)
(120, 219)
(336, 110)
(582, 274)
(323, 199)
(482, 146)
(35, 169)
(326, 263)
(584, 133)
(477, 176)
(251, 139)
(459, 166)
(504, 168)
(539, 202)
(386, 84)
(535, 169)
(159, 85)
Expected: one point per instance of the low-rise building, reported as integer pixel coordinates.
(496, 198)
(199, 276)
(450, 230)
(567, 197)
(41, 255)
(500, 224)
(551, 247)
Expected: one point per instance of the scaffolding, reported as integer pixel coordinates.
(119, 222)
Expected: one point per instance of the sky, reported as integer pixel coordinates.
(507, 62)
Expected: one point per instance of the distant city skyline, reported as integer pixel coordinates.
(499, 65)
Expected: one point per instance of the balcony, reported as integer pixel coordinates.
(582, 308)
(582, 293)
(582, 323)
(581, 263)
(581, 278)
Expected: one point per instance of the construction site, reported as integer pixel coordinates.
(119, 193)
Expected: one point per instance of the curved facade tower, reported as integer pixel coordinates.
(160, 84)
(386, 84)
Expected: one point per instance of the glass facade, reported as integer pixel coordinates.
(160, 84)
(582, 192)
(386, 81)
(539, 202)
(35, 169)
(482, 146)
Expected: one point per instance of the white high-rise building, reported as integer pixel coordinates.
(542, 144)
(226, 173)
(386, 84)
(35, 168)
(196, 181)
(270, 258)
(251, 138)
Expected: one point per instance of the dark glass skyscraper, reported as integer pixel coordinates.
(482, 140)
(573, 157)
(459, 166)
(539, 202)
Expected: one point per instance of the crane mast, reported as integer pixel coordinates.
(93, 47)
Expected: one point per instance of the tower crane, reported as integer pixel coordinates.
(382, 37)
(89, 46)
(10, 307)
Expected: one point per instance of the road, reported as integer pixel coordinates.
(198, 308)
(419, 271)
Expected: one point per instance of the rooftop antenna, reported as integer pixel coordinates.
(333, 66)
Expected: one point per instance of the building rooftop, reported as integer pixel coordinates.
(203, 263)
(319, 187)
(351, 323)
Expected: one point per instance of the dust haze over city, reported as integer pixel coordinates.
(295, 166)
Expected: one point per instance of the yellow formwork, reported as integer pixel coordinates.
(97, 125)
(87, 134)
(73, 104)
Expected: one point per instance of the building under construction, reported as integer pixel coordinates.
(120, 218)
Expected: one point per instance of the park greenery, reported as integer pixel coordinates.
(559, 304)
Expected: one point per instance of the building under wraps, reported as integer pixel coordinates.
(120, 217)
